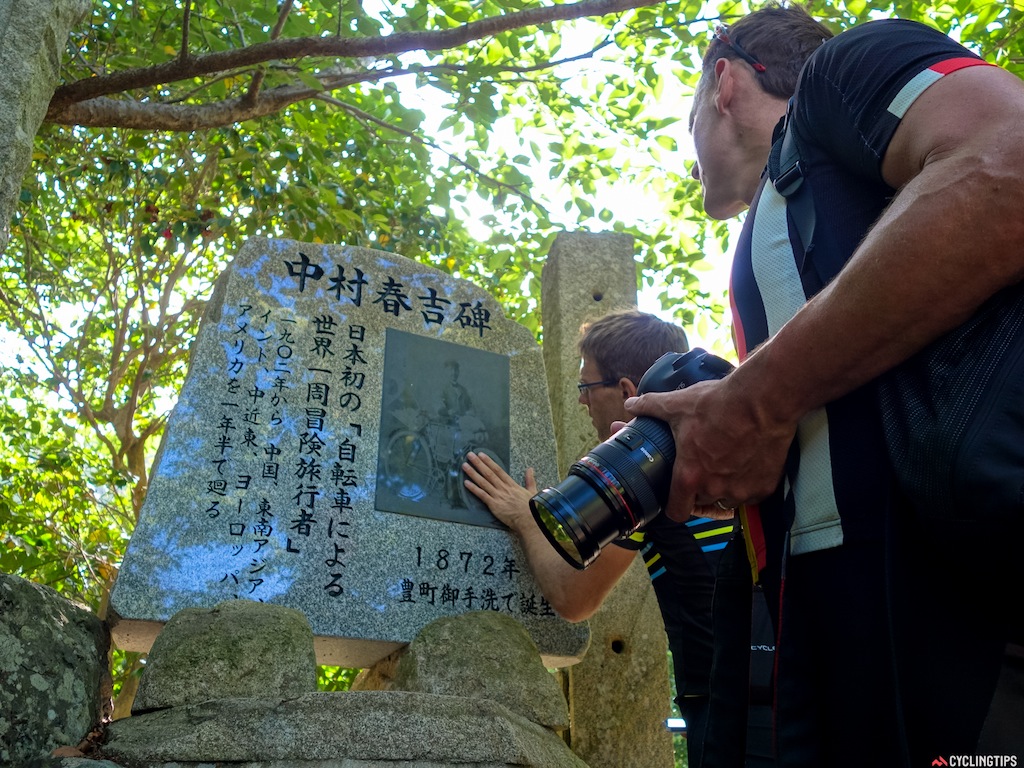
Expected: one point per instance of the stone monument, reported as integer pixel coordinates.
(619, 694)
(313, 458)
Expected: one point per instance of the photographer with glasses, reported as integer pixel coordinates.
(682, 559)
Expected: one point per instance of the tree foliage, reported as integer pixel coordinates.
(181, 129)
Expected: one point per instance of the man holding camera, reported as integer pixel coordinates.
(616, 351)
(890, 632)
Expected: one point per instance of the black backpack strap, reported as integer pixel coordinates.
(791, 182)
(788, 173)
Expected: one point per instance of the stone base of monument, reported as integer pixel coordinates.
(337, 730)
(470, 690)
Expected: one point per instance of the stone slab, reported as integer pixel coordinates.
(311, 460)
(367, 726)
(585, 277)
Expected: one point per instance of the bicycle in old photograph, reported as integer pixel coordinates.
(425, 458)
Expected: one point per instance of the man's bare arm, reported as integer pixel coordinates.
(574, 594)
(952, 237)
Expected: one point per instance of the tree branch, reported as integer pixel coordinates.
(107, 112)
(104, 112)
(185, 25)
(257, 79)
(328, 47)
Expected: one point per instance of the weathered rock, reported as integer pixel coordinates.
(585, 276)
(72, 762)
(620, 692)
(236, 649)
(54, 681)
(369, 728)
(483, 655)
(34, 35)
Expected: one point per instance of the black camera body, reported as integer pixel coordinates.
(623, 483)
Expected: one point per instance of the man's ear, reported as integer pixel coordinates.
(724, 85)
(627, 387)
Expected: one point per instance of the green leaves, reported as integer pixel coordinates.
(53, 530)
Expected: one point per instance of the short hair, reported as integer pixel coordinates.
(781, 38)
(625, 343)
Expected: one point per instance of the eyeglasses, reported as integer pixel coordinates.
(722, 34)
(583, 386)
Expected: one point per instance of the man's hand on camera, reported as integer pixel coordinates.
(727, 449)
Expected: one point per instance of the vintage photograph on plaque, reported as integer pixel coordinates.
(440, 401)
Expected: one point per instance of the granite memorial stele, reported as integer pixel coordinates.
(313, 458)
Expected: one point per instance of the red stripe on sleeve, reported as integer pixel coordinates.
(952, 65)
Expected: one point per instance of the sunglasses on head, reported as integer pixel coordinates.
(721, 33)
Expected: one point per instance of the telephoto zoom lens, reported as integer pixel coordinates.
(609, 493)
(623, 483)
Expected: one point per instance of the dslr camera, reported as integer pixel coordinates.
(623, 483)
